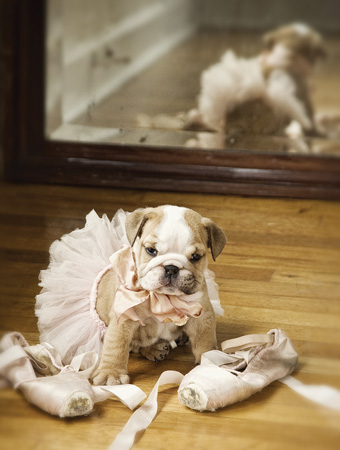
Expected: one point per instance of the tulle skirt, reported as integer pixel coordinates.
(65, 307)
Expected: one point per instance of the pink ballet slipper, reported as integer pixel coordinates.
(66, 394)
(227, 377)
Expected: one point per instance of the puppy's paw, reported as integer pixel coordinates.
(183, 339)
(110, 377)
(157, 351)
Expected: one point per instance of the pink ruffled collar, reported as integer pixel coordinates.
(166, 308)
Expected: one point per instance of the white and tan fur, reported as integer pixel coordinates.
(176, 234)
(291, 53)
(264, 94)
(259, 96)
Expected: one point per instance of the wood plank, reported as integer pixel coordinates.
(279, 269)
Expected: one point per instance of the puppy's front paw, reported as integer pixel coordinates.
(110, 377)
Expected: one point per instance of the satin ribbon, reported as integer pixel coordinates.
(143, 416)
(166, 308)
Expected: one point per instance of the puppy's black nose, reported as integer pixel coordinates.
(171, 271)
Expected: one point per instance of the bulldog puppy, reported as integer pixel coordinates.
(170, 247)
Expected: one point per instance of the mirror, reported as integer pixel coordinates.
(242, 75)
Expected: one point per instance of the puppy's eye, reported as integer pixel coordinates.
(151, 251)
(195, 257)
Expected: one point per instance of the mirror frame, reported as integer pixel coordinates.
(30, 157)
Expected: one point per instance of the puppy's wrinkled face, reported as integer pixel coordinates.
(300, 39)
(171, 250)
(171, 255)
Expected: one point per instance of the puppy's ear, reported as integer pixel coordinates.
(269, 40)
(320, 51)
(216, 238)
(134, 224)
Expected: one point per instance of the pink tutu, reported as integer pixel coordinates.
(65, 307)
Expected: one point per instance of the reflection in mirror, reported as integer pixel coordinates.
(217, 74)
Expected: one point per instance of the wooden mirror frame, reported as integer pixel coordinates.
(29, 156)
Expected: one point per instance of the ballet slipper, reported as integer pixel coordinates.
(67, 393)
(245, 366)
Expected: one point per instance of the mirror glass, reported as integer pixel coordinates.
(241, 75)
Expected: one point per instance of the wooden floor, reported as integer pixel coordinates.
(280, 269)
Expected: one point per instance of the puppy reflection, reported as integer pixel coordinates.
(265, 94)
